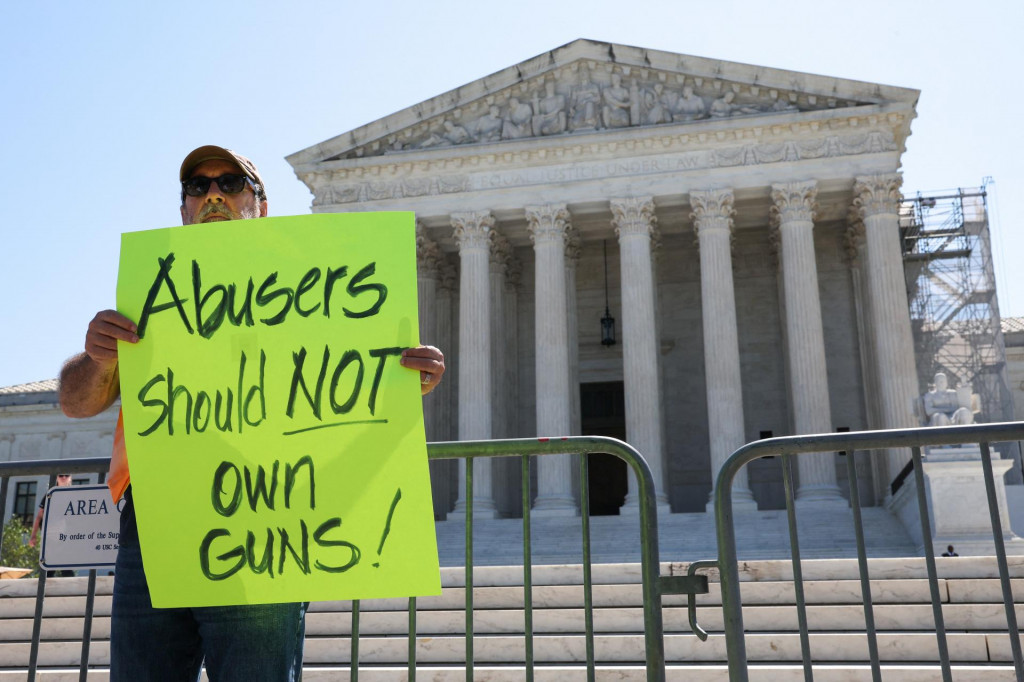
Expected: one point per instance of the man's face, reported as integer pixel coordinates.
(217, 205)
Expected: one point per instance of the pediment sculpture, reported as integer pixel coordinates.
(596, 98)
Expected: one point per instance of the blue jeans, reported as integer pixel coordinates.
(243, 643)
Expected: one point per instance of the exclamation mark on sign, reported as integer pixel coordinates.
(387, 525)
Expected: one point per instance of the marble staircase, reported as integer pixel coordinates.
(972, 608)
(826, 533)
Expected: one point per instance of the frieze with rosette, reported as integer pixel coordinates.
(577, 169)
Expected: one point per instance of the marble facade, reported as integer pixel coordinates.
(750, 217)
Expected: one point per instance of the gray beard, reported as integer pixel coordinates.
(219, 210)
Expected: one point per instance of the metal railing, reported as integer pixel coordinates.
(791, 447)
(653, 586)
(50, 467)
(526, 448)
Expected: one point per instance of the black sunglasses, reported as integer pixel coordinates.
(229, 183)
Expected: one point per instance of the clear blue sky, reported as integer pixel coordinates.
(101, 100)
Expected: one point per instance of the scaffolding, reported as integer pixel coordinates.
(954, 311)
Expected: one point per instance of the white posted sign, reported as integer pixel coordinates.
(81, 527)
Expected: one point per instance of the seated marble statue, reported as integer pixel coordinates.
(550, 116)
(690, 107)
(616, 104)
(518, 123)
(583, 103)
(656, 105)
(456, 134)
(488, 126)
(944, 406)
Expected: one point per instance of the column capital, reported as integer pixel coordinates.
(428, 254)
(573, 246)
(877, 194)
(514, 273)
(547, 223)
(472, 230)
(712, 209)
(794, 202)
(501, 252)
(449, 275)
(853, 239)
(633, 216)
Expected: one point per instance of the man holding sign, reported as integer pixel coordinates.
(249, 641)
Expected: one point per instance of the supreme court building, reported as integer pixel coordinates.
(742, 220)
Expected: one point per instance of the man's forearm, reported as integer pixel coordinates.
(86, 386)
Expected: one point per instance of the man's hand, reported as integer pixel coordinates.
(430, 363)
(89, 380)
(105, 330)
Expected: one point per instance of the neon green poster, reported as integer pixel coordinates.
(275, 443)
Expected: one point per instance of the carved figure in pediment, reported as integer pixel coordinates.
(488, 126)
(724, 106)
(782, 105)
(519, 122)
(615, 111)
(433, 140)
(550, 116)
(456, 134)
(584, 104)
(690, 107)
(656, 106)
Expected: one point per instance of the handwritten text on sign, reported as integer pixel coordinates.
(275, 443)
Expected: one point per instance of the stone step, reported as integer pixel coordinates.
(760, 535)
(618, 573)
(906, 647)
(913, 591)
(762, 619)
(620, 673)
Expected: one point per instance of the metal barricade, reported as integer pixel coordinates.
(51, 467)
(525, 448)
(791, 447)
(653, 586)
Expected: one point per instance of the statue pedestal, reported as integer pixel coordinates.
(957, 503)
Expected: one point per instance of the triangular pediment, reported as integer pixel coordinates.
(589, 86)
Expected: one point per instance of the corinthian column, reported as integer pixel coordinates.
(548, 225)
(793, 214)
(472, 231)
(428, 262)
(572, 259)
(877, 198)
(501, 252)
(712, 220)
(633, 219)
(428, 274)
